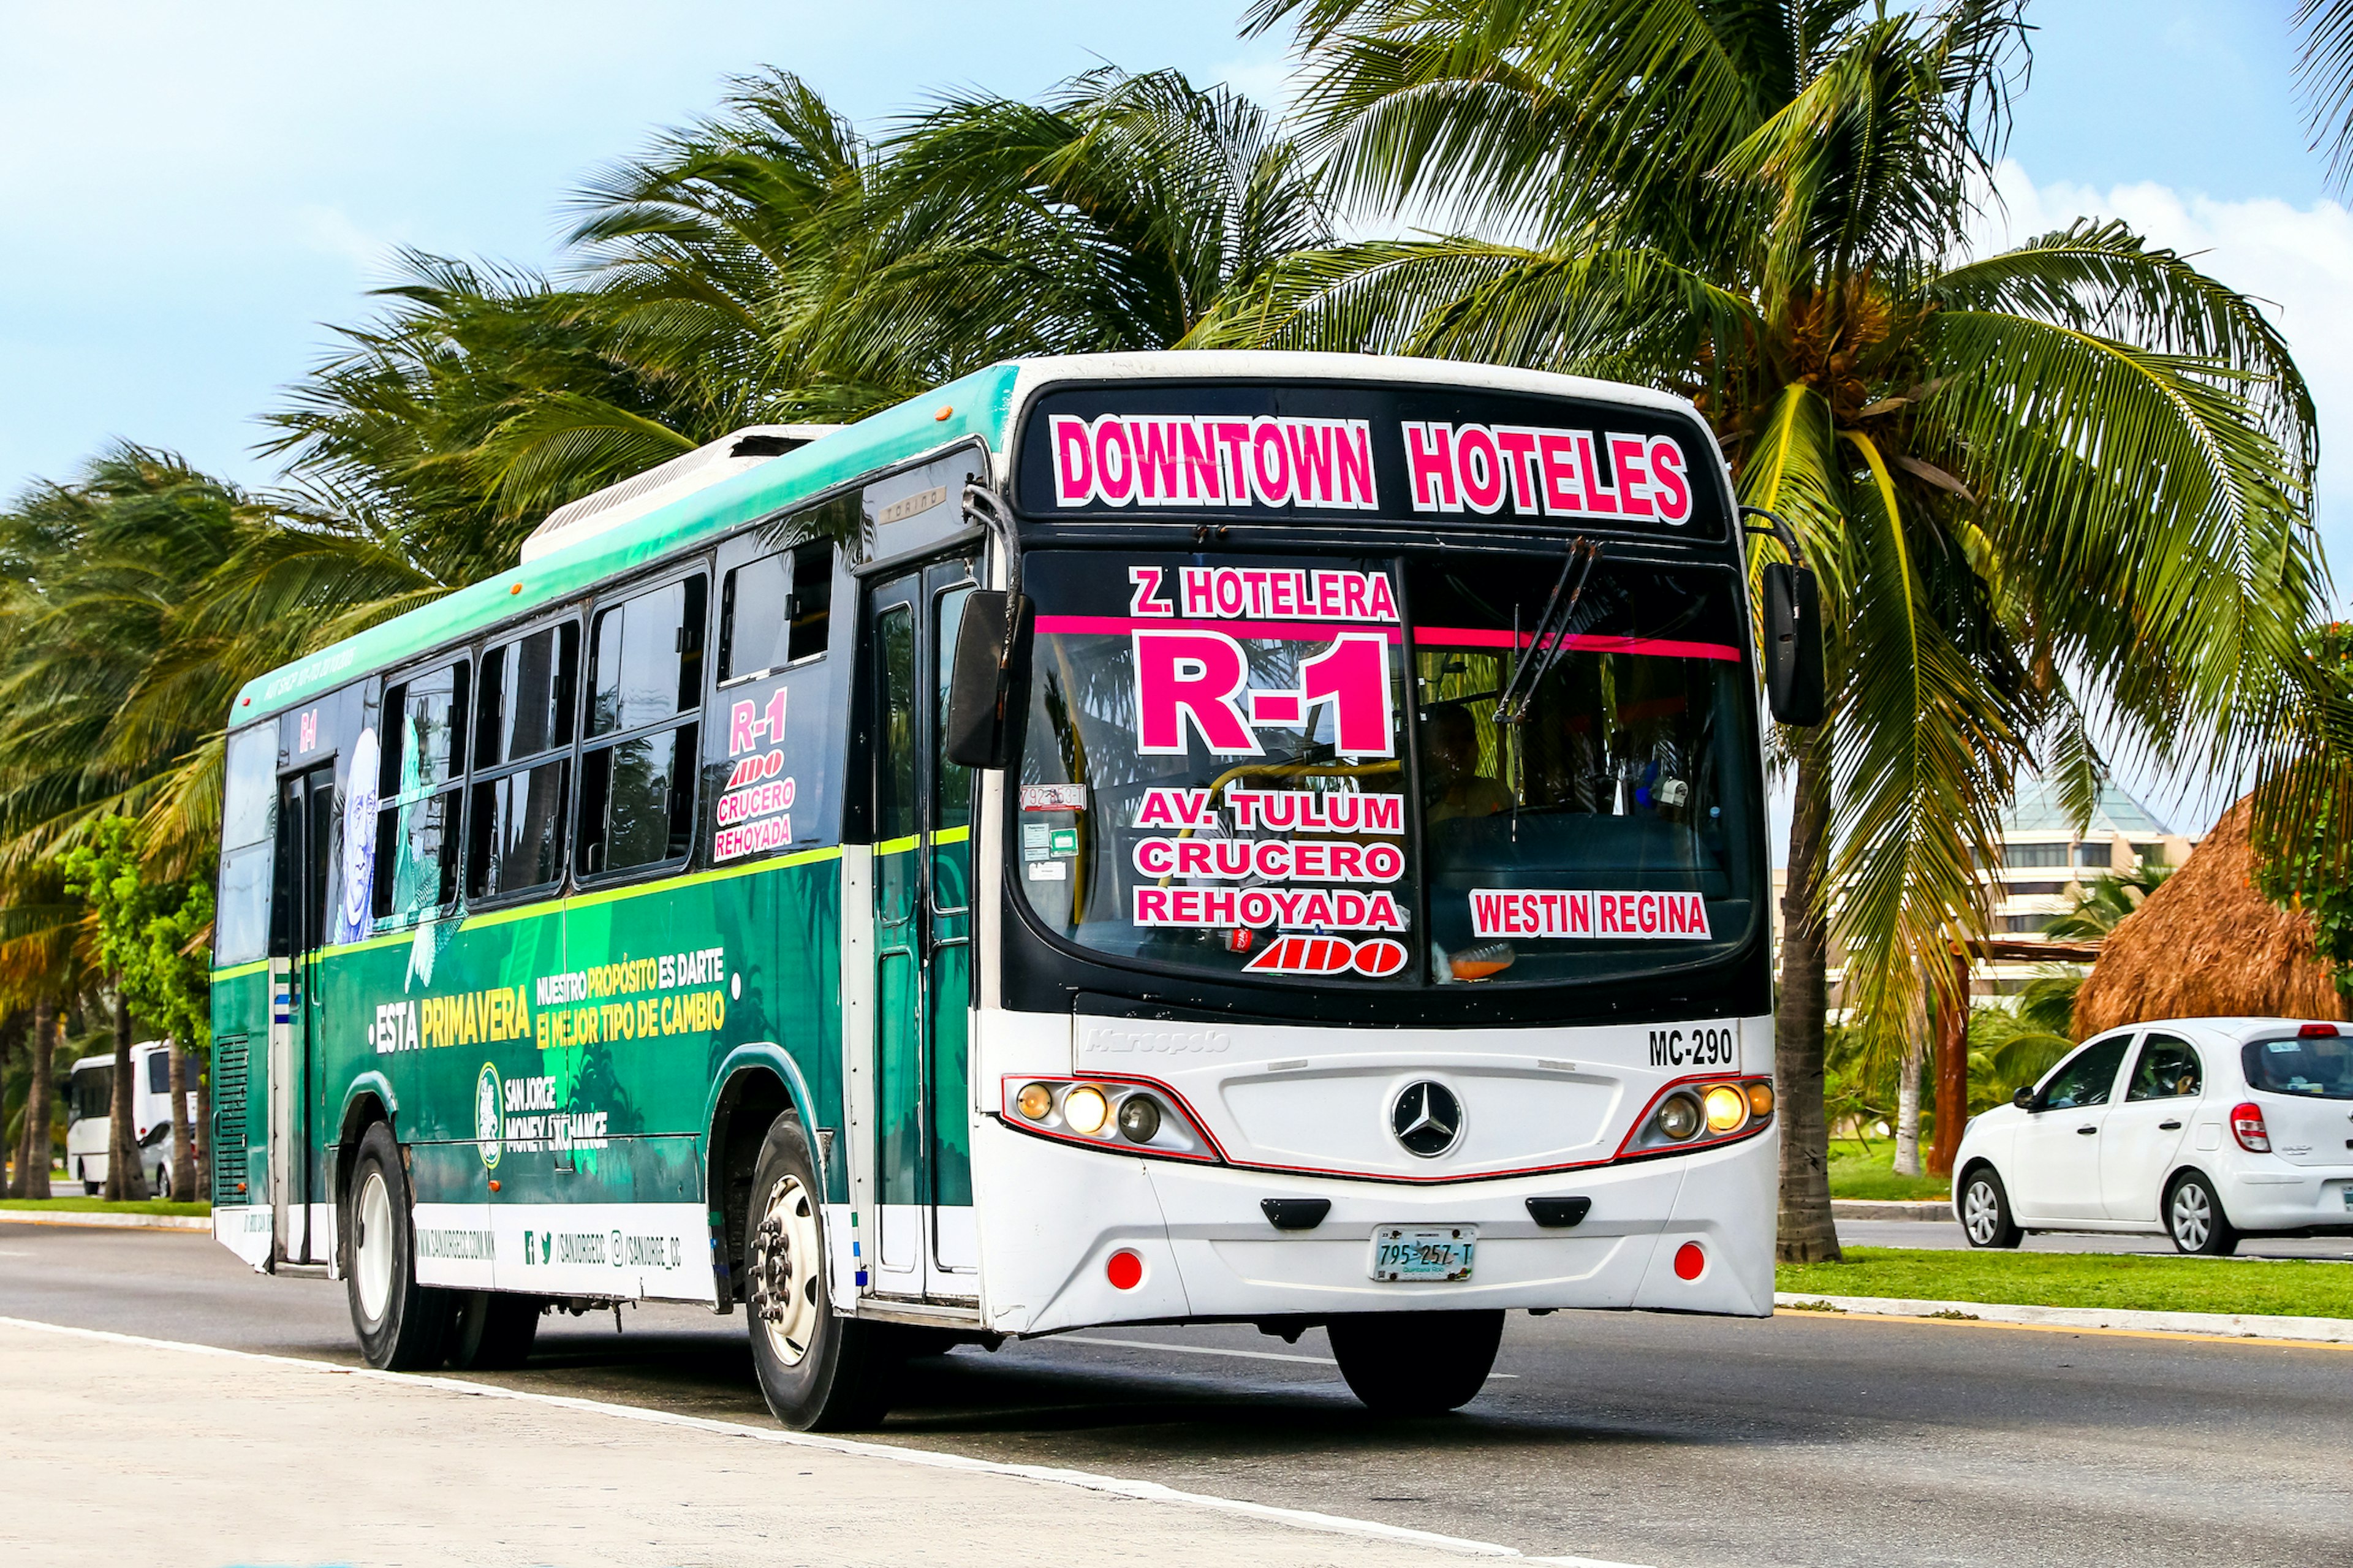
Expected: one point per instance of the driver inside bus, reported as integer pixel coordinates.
(1453, 785)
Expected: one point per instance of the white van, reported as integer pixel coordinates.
(151, 1118)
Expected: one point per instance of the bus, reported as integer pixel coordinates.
(90, 1124)
(1143, 838)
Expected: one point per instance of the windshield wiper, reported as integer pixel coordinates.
(1512, 707)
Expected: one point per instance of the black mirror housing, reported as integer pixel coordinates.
(1794, 684)
(974, 730)
(2023, 1099)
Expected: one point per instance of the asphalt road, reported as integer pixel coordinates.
(1633, 1438)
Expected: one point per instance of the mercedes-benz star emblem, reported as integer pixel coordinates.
(1426, 1118)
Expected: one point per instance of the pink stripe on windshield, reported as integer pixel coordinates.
(1585, 642)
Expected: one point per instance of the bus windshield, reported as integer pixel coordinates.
(1293, 768)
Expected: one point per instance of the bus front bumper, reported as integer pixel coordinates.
(1208, 1251)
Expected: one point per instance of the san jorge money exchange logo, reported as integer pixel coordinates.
(490, 1108)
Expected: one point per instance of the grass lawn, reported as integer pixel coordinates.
(99, 1206)
(1855, 1173)
(2120, 1281)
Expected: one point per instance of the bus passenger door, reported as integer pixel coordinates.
(925, 1244)
(306, 853)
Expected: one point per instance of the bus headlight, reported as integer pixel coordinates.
(1760, 1099)
(1084, 1110)
(1036, 1102)
(1726, 1107)
(1139, 1119)
(1678, 1117)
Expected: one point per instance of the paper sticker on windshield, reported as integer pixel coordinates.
(1054, 797)
(1583, 915)
(1379, 957)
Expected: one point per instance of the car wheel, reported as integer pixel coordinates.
(1416, 1363)
(402, 1326)
(1986, 1218)
(2194, 1213)
(818, 1370)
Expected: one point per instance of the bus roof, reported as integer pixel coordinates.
(980, 405)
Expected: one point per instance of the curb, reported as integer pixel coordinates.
(107, 1221)
(1881, 1209)
(2221, 1325)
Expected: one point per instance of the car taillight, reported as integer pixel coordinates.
(2247, 1127)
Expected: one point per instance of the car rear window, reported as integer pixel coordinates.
(2318, 1066)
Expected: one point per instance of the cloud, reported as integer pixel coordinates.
(2298, 261)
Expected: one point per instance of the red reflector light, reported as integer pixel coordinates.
(1126, 1270)
(2317, 1031)
(2247, 1127)
(1689, 1260)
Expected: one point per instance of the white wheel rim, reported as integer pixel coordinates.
(372, 1248)
(786, 1256)
(2194, 1217)
(1980, 1214)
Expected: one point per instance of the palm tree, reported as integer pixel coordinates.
(2103, 903)
(2075, 473)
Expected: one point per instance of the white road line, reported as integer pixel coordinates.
(1084, 1480)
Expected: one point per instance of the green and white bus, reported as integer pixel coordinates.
(1137, 838)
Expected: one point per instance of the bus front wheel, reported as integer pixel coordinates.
(818, 1371)
(402, 1326)
(1416, 1363)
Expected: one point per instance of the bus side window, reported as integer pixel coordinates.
(241, 909)
(774, 611)
(523, 708)
(422, 767)
(645, 675)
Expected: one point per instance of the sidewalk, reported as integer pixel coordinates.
(107, 1221)
(243, 1458)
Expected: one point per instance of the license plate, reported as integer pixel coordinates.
(1424, 1252)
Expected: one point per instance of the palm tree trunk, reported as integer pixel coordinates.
(37, 1101)
(1907, 1114)
(183, 1151)
(125, 1181)
(1807, 1234)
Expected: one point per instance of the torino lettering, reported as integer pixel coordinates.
(1547, 473)
(1148, 460)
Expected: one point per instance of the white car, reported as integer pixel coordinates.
(2206, 1129)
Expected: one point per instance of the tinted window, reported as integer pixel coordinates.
(2087, 1079)
(637, 801)
(251, 787)
(91, 1088)
(159, 1073)
(525, 706)
(417, 858)
(2167, 1070)
(2034, 855)
(514, 834)
(241, 913)
(646, 657)
(2318, 1068)
(773, 611)
(428, 714)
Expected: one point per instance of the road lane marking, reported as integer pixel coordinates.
(1082, 1480)
(2244, 1340)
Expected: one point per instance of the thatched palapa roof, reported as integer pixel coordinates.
(2207, 944)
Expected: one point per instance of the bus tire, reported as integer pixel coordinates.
(818, 1371)
(1416, 1363)
(492, 1331)
(402, 1326)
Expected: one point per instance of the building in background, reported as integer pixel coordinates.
(2045, 868)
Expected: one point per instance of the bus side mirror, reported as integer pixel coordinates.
(977, 685)
(1793, 643)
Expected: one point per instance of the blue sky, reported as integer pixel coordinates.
(199, 190)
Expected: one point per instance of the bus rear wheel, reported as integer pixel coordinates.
(402, 1326)
(818, 1371)
(1416, 1363)
(492, 1331)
